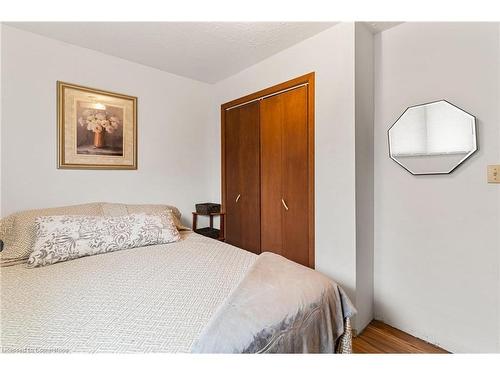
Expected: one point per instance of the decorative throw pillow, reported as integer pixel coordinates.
(62, 238)
(153, 209)
(18, 232)
(118, 209)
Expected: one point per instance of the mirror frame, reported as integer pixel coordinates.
(434, 173)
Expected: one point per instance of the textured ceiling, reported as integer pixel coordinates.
(205, 51)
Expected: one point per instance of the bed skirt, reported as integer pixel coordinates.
(344, 344)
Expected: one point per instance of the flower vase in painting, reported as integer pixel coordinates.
(100, 130)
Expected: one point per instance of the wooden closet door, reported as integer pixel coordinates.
(242, 158)
(284, 174)
(271, 173)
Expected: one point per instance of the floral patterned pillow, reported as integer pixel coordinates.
(62, 238)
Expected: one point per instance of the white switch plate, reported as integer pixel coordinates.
(494, 174)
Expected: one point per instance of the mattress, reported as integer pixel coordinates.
(149, 299)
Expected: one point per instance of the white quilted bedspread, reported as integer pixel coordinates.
(150, 299)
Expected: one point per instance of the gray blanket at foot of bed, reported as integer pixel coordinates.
(279, 307)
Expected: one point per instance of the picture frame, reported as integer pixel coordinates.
(97, 129)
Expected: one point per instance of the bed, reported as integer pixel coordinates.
(197, 295)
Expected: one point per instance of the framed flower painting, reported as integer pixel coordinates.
(96, 129)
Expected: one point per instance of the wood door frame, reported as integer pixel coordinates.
(305, 79)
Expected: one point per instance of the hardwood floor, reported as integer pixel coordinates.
(378, 337)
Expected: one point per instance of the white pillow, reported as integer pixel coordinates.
(62, 238)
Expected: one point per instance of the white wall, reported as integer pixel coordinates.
(437, 238)
(172, 126)
(364, 107)
(330, 55)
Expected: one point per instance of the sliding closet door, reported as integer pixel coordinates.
(242, 177)
(284, 174)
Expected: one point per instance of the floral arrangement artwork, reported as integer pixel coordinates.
(99, 122)
(97, 129)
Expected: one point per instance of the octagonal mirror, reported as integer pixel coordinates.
(432, 138)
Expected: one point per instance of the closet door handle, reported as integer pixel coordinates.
(238, 198)
(284, 204)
